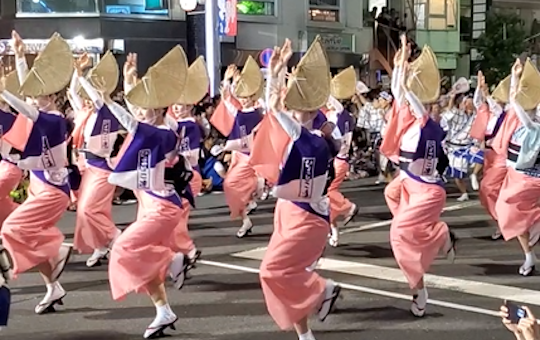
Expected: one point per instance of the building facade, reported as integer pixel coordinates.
(340, 23)
(151, 27)
(147, 27)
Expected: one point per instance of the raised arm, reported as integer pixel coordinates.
(287, 122)
(22, 68)
(73, 97)
(20, 58)
(523, 117)
(418, 109)
(132, 108)
(19, 105)
(399, 71)
(130, 79)
(124, 117)
(494, 107)
(397, 91)
(226, 97)
(81, 65)
(478, 98)
(274, 85)
(95, 97)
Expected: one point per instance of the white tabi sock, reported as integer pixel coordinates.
(163, 311)
(530, 259)
(422, 298)
(192, 253)
(306, 336)
(50, 287)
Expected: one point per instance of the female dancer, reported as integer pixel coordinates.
(417, 235)
(190, 147)
(489, 118)
(141, 256)
(95, 230)
(10, 174)
(517, 207)
(242, 183)
(29, 233)
(343, 87)
(301, 216)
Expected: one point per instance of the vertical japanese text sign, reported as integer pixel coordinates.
(228, 24)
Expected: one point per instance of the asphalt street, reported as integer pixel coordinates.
(223, 299)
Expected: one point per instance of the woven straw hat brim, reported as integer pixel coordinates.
(163, 82)
(343, 85)
(197, 83)
(250, 79)
(424, 79)
(502, 91)
(528, 95)
(105, 72)
(308, 87)
(11, 84)
(260, 92)
(52, 69)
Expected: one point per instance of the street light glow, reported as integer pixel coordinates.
(188, 5)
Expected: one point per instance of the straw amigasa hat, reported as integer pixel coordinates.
(250, 80)
(308, 87)
(528, 95)
(260, 93)
(52, 69)
(343, 85)
(11, 84)
(104, 75)
(502, 91)
(197, 83)
(424, 79)
(163, 83)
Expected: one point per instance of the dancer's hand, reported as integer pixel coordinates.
(101, 88)
(81, 64)
(85, 61)
(229, 73)
(18, 44)
(280, 58)
(130, 68)
(286, 52)
(517, 69)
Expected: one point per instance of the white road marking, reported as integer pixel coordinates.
(367, 290)
(489, 290)
(380, 224)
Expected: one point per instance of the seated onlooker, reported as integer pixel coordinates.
(215, 167)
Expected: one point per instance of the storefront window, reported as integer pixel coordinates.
(57, 6)
(136, 7)
(324, 10)
(256, 7)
